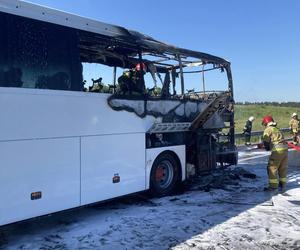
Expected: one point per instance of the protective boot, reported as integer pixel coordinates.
(282, 189)
(271, 190)
(267, 189)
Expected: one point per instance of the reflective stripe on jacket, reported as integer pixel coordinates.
(274, 137)
(280, 147)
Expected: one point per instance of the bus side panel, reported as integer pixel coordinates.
(37, 113)
(50, 166)
(111, 166)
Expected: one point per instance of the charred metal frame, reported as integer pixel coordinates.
(130, 48)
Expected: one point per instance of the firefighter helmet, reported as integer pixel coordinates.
(266, 119)
(127, 73)
(251, 118)
(141, 66)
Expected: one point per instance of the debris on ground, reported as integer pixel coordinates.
(220, 179)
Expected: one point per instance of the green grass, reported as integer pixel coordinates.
(281, 115)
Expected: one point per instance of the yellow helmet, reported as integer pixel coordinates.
(126, 73)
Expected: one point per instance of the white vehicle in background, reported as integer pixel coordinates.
(64, 145)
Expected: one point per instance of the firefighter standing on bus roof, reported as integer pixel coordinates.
(274, 141)
(294, 127)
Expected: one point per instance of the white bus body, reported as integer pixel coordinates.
(68, 146)
(61, 149)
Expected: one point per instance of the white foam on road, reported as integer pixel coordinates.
(233, 218)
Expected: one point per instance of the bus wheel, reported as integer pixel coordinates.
(165, 174)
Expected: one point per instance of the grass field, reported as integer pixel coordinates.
(281, 115)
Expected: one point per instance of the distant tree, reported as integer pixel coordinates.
(276, 104)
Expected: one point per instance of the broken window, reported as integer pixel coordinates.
(36, 54)
(98, 78)
(205, 79)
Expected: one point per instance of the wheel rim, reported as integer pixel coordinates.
(164, 174)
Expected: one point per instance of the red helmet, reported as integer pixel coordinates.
(141, 66)
(266, 119)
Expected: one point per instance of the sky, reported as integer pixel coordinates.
(261, 39)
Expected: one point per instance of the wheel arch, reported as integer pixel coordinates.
(165, 174)
(177, 152)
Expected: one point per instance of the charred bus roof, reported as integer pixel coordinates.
(110, 44)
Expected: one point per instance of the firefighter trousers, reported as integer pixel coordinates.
(277, 168)
(247, 138)
(296, 136)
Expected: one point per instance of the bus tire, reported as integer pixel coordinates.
(165, 174)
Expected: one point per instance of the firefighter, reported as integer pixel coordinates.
(133, 80)
(138, 78)
(125, 82)
(294, 127)
(277, 166)
(247, 130)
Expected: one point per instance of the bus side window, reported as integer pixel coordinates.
(38, 55)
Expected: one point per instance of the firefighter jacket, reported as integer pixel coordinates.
(273, 138)
(294, 125)
(248, 127)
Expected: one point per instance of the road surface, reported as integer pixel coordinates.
(234, 214)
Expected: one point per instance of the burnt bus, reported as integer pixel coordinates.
(92, 111)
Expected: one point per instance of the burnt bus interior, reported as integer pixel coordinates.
(41, 55)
